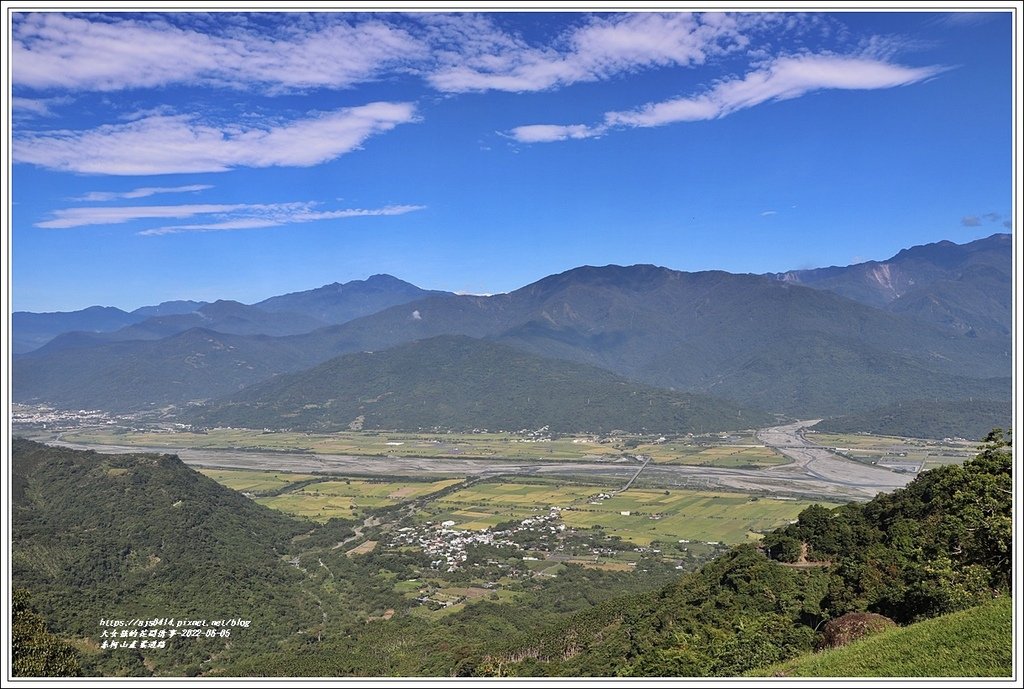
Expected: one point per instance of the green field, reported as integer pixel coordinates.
(654, 515)
(346, 498)
(972, 643)
(727, 456)
(729, 450)
(253, 481)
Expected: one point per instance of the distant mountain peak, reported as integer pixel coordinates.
(339, 302)
(962, 287)
(384, 277)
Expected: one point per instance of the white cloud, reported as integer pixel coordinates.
(538, 133)
(484, 58)
(236, 216)
(114, 215)
(104, 53)
(164, 144)
(288, 214)
(310, 216)
(784, 78)
(225, 216)
(766, 214)
(39, 107)
(141, 192)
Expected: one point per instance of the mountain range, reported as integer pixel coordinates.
(962, 287)
(288, 314)
(931, 323)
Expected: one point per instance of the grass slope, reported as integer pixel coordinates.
(972, 643)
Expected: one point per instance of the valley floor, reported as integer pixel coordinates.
(800, 468)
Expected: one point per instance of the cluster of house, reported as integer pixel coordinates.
(46, 416)
(449, 545)
(443, 542)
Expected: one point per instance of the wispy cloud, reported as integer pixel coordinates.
(235, 216)
(165, 144)
(486, 58)
(141, 192)
(964, 19)
(114, 215)
(286, 217)
(455, 53)
(34, 107)
(783, 79)
(766, 214)
(105, 53)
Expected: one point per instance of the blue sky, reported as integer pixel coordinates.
(238, 156)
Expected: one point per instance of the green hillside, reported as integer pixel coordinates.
(963, 418)
(143, 536)
(460, 383)
(972, 643)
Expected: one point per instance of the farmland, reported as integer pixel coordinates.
(323, 498)
(639, 516)
(254, 481)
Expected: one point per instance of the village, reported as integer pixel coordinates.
(449, 545)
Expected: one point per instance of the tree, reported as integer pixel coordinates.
(782, 547)
(36, 652)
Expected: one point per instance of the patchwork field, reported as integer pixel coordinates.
(640, 516)
(254, 481)
(725, 456)
(645, 516)
(320, 501)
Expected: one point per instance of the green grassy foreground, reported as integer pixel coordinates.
(972, 643)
